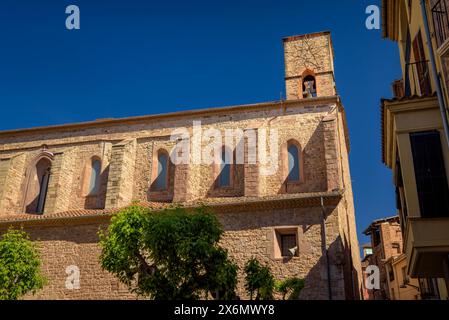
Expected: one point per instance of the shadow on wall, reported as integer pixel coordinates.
(235, 187)
(312, 170)
(317, 280)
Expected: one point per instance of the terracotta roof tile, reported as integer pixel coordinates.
(228, 204)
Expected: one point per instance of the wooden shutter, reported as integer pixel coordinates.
(421, 64)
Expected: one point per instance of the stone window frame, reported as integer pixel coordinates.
(285, 166)
(29, 172)
(154, 169)
(277, 234)
(87, 176)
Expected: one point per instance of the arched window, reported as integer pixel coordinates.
(309, 86)
(94, 184)
(37, 186)
(293, 163)
(44, 167)
(224, 177)
(161, 181)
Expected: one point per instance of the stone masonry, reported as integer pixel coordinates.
(255, 209)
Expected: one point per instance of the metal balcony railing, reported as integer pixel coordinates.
(440, 19)
(417, 79)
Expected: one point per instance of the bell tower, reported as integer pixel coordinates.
(309, 66)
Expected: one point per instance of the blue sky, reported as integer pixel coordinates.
(142, 57)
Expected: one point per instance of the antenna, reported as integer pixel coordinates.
(281, 97)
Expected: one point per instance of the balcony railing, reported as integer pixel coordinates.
(440, 19)
(417, 79)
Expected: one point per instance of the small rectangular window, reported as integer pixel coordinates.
(396, 247)
(288, 242)
(376, 237)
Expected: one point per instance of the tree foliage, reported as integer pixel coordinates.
(291, 287)
(259, 282)
(172, 254)
(19, 266)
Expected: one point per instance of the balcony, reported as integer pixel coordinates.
(426, 246)
(440, 19)
(417, 79)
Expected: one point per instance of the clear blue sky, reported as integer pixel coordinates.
(141, 57)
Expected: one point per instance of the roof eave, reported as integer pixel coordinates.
(390, 22)
(275, 202)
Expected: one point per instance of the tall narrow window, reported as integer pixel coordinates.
(37, 186)
(161, 182)
(224, 178)
(430, 174)
(421, 65)
(43, 190)
(94, 185)
(408, 44)
(293, 163)
(376, 237)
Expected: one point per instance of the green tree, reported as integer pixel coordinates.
(19, 266)
(259, 281)
(172, 254)
(291, 287)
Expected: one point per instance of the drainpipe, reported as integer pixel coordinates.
(435, 73)
(323, 230)
(446, 271)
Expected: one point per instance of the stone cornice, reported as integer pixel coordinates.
(219, 206)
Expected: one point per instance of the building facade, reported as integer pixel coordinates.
(291, 209)
(415, 135)
(367, 251)
(388, 255)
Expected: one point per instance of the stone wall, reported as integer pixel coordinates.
(74, 245)
(309, 55)
(127, 149)
(83, 156)
(121, 174)
(347, 209)
(60, 184)
(126, 153)
(390, 245)
(247, 235)
(391, 239)
(12, 172)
